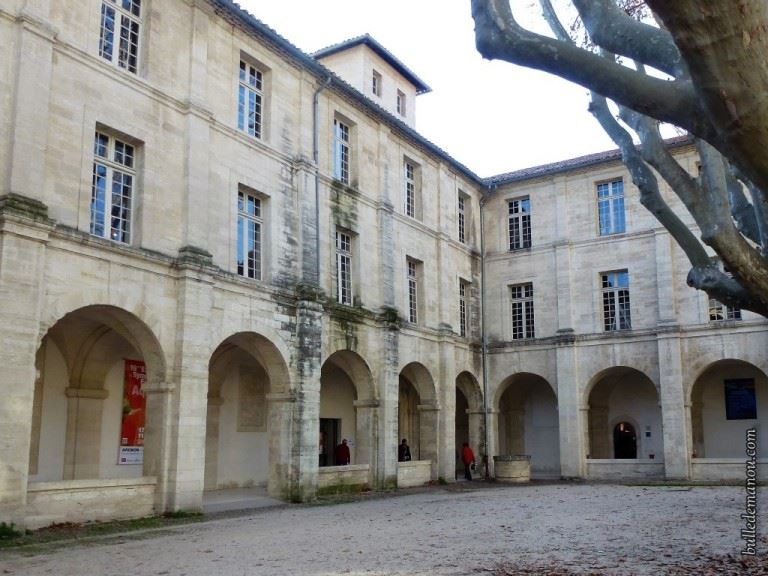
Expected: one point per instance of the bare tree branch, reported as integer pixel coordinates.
(554, 22)
(611, 28)
(499, 36)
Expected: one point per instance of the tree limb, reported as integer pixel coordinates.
(499, 36)
(613, 29)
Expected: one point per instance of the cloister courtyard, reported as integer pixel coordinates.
(462, 529)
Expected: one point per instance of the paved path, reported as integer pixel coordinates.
(599, 529)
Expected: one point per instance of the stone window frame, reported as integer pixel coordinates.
(376, 83)
(463, 211)
(251, 90)
(345, 264)
(401, 103)
(611, 207)
(464, 294)
(412, 184)
(256, 218)
(522, 312)
(519, 228)
(342, 149)
(115, 163)
(615, 291)
(122, 52)
(414, 270)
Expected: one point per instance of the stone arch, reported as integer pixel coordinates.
(248, 381)
(528, 422)
(418, 410)
(82, 362)
(348, 407)
(722, 397)
(623, 393)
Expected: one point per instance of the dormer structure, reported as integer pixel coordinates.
(373, 70)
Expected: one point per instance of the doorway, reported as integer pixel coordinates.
(330, 431)
(624, 441)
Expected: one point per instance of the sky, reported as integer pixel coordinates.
(491, 116)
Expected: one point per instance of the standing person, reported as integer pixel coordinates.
(342, 453)
(403, 451)
(468, 458)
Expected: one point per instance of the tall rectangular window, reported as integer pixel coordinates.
(610, 207)
(376, 83)
(112, 188)
(250, 99)
(616, 313)
(249, 241)
(522, 311)
(401, 103)
(463, 307)
(341, 151)
(519, 223)
(410, 190)
(413, 291)
(462, 218)
(343, 267)
(119, 33)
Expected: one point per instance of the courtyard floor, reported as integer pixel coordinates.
(464, 529)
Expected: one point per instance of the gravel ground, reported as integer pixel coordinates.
(553, 529)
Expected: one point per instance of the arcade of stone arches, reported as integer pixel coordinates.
(80, 409)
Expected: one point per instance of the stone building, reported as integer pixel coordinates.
(221, 256)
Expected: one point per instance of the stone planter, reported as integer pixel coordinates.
(515, 468)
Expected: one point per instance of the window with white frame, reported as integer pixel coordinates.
(719, 311)
(250, 99)
(401, 103)
(120, 33)
(343, 267)
(249, 235)
(519, 223)
(610, 207)
(463, 307)
(615, 288)
(112, 188)
(522, 311)
(413, 290)
(412, 189)
(341, 151)
(461, 216)
(376, 83)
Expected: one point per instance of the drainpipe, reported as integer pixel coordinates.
(315, 158)
(483, 335)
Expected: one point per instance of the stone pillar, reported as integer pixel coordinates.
(572, 421)
(309, 319)
(366, 417)
(429, 420)
(82, 450)
(24, 230)
(494, 436)
(186, 465)
(674, 416)
(446, 393)
(158, 430)
(389, 394)
(281, 428)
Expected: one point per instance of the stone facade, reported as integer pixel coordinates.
(292, 264)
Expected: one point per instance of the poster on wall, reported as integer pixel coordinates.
(132, 427)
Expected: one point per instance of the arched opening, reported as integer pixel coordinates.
(728, 398)
(468, 418)
(528, 423)
(91, 419)
(624, 416)
(417, 412)
(624, 441)
(240, 438)
(347, 407)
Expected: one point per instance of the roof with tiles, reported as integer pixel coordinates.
(233, 13)
(571, 164)
(389, 58)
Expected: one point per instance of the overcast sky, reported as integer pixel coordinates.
(491, 116)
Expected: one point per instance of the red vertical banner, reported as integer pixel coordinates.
(134, 405)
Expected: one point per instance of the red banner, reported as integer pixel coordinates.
(134, 404)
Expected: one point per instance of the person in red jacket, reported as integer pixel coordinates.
(468, 458)
(342, 453)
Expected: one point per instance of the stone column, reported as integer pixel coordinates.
(82, 450)
(446, 398)
(429, 419)
(389, 394)
(158, 430)
(309, 318)
(674, 416)
(572, 421)
(281, 427)
(366, 416)
(24, 230)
